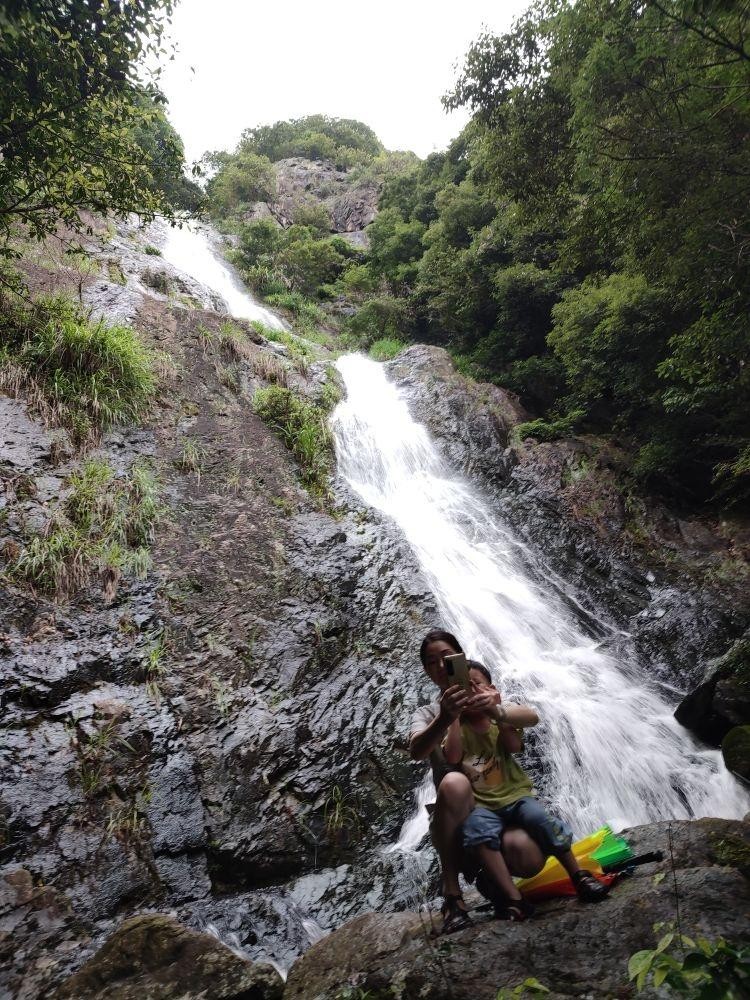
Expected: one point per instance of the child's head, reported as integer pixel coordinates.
(480, 678)
(479, 673)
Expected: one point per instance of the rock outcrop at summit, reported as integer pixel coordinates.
(351, 203)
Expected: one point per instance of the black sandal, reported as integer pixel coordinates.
(455, 916)
(504, 907)
(516, 910)
(588, 887)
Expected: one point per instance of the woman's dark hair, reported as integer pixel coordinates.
(476, 665)
(438, 635)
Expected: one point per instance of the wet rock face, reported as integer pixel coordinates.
(153, 957)
(722, 699)
(637, 567)
(572, 948)
(217, 739)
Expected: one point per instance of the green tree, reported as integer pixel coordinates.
(610, 336)
(72, 106)
(315, 137)
(308, 263)
(258, 239)
(243, 178)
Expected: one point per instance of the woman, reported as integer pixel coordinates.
(455, 799)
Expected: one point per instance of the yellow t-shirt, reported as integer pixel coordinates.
(496, 778)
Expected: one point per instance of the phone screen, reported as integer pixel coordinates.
(458, 672)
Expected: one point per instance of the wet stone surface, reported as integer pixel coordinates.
(287, 673)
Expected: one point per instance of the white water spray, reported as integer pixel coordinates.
(190, 250)
(610, 747)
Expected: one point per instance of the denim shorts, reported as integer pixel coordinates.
(486, 826)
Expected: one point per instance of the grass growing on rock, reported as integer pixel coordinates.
(78, 373)
(102, 530)
(303, 429)
(386, 348)
(300, 354)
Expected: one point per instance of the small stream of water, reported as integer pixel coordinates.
(608, 744)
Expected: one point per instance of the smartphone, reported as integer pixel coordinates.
(458, 672)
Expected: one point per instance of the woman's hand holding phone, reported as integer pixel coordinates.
(453, 701)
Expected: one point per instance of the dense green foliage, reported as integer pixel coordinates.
(78, 127)
(699, 969)
(82, 374)
(344, 141)
(583, 242)
(293, 267)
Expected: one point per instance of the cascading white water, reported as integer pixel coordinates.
(189, 249)
(610, 747)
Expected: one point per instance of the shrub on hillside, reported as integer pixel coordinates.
(81, 373)
(303, 429)
(378, 319)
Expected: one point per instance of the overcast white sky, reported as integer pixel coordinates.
(242, 63)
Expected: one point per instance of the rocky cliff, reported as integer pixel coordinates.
(184, 741)
(220, 739)
(350, 200)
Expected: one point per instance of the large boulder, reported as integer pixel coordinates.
(153, 957)
(721, 700)
(572, 948)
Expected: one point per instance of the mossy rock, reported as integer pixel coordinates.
(731, 851)
(735, 748)
(736, 662)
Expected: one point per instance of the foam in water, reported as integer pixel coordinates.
(609, 745)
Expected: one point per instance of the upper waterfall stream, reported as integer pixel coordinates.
(191, 249)
(608, 745)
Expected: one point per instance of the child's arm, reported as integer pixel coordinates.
(452, 746)
(511, 720)
(517, 716)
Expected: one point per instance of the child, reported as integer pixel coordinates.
(481, 741)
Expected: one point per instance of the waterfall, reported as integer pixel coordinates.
(190, 250)
(608, 747)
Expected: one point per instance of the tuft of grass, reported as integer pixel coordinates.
(128, 820)
(152, 251)
(386, 348)
(229, 376)
(331, 393)
(303, 429)
(191, 457)
(76, 372)
(300, 353)
(206, 337)
(233, 342)
(102, 531)
(303, 309)
(154, 666)
(342, 818)
(268, 367)
(549, 430)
